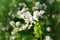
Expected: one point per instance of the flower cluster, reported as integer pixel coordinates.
(27, 16)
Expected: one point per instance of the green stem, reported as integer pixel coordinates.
(41, 38)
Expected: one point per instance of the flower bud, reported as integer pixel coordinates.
(48, 29)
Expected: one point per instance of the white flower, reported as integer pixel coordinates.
(15, 30)
(37, 6)
(53, 16)
(23, 27)
(44, 5)
(28, 16)
(17, 23)
(22, 4)
(34, 8)
(48, 38)
(42, 12)
(36, 15)
(48, 29)
(21, 13)
(24, 9)
(12, 37)
(12, 23)
(30, 26)
(37, 3)
(18, 12)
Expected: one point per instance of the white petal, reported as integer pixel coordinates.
(17, 23)
(42, 12)
(12, 23)
(48, 29)
(48, 38)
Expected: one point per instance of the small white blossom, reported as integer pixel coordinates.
(42, 12)
(22, 11)
(34, 8)
(30, 26)
(36, 15)
(37, 3)
(12, 37)
(53, 16)
(23, 27)
(28, 17)
(48, 29)
(18, 12)
(15, 30)
(17, 23)
(48, 38)
(22, 4)
(12, 23)
(44, 5)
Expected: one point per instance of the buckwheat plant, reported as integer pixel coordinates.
(23, 19)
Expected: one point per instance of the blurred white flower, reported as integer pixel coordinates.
(42, 12)
(37, 3)
(44, 5)
(48, 38)
(15, 30)
(22, 11)
(22, 4)
(17, 23)
(54, 16)
(18, 12)
(35, 15)
(23, 27)
(12, 37)
(48, 29)
(34, 8)
(28, 17)
(30, 25)
(12, 23)
(37, 6)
